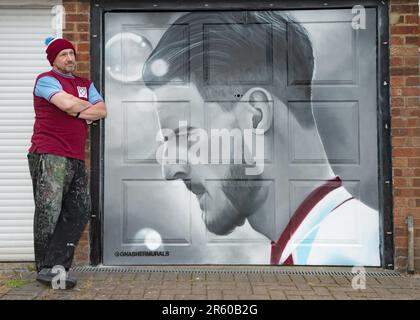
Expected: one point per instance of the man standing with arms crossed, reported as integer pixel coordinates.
(64, 106)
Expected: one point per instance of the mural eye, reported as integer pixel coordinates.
(126, 53)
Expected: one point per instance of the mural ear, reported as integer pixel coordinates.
(260, 102)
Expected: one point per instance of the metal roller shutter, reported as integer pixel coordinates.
(22, 58)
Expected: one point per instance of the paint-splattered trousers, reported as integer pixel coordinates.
(62, 207)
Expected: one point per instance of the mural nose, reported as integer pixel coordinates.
(175, 171)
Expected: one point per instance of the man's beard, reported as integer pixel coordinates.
(68, 68)
(239, 195)
(71, 67)
(240, 190)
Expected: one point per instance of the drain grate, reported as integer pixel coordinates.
(315, 271)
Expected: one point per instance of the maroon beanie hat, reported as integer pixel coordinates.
(54, 46)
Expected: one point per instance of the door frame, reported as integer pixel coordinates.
(97, 36)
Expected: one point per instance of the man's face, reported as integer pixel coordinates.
(65, 61)
(221, 191)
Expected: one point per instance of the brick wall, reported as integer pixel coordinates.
(76, 29)
(405, 129)
(405, 111)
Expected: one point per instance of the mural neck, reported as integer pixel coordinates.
(262, 220)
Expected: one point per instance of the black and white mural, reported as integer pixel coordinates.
(241, 138)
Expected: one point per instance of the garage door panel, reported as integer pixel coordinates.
(341, 138)
(143, 196)
(244, 70)
(335, 66)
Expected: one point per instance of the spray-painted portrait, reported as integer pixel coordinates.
(243, 137)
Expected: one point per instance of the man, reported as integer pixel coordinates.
(232, 86)
(64, 105)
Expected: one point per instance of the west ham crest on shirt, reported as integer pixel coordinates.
(82, 92)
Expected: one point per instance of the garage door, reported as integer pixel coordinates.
(22, 58)
(241, 138)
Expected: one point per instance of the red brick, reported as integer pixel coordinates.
(411, 62)
(79, 17)
(396, 112)
(397, 102)
(399, 141)
(413, 101)
(413, 122)
(412, 40)
(83, 57)
(414, 162)
(401, 252)
(400, 182)
(415, 141)
(414, 19)
(83, 47)
(400, 162)
(84, 37)
(410, 211)
(396, 91)
(400, 232)
(400, 202)
(399, 123)
(399, 29)
(397, 172)
(397, 61)
(404, 71)
(406, 152)
(400, 242)
(408, 112)
(412, 203)
(408, 192)
(399, 132)
(409, 8)
(414, 132)
(69, 7)
(83, 7)
(404, 51)
(411, 91)
(412, 81)
(83, 66)
(69, 27)
(397, 81)
(397, 40)
(83, 74)
(70, 36)
(82, 27)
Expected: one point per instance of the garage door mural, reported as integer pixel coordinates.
(241, 138)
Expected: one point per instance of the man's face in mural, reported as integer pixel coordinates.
(225, 196)
(237, 58)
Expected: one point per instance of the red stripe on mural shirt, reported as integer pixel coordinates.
(300, 214)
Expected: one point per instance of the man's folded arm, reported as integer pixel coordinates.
(69, 103)
(96, 112)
